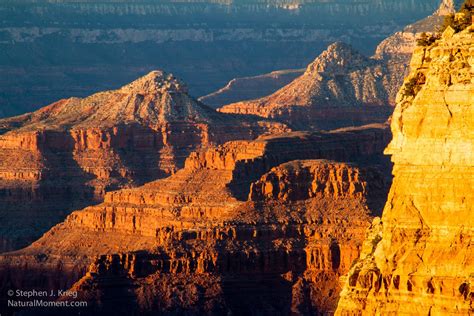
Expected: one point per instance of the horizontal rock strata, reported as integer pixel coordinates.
(188, 242)
(67, 155)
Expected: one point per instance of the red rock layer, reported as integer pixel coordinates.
(197, 242)
(67, 155)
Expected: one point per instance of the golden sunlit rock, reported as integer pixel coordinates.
(422, 259)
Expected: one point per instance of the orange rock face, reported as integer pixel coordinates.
(243, 228)
(67, 155)
(327, 180)
(419, 260)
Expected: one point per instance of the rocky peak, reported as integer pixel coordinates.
(158, 82)
(153, 100)
(340, 88)
(337, 58)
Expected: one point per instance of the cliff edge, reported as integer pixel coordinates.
(419, 260)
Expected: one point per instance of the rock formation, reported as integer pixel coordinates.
(67, 155)
(419, 259)
(242, 228)
(249, 88)
(340, 88)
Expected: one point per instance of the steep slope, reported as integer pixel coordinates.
(243, 228)
(340, 88)
(67, 155)
(419, 260)
(249, 88)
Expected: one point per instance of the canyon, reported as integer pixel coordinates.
(67, 155)
(339, 193)
(94, 46)
(281, 217)
(418, 258)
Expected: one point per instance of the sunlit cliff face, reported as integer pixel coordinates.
(422, 257)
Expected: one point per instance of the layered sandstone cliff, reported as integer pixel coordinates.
(419, 259)
(67, 155)
(243, 228)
